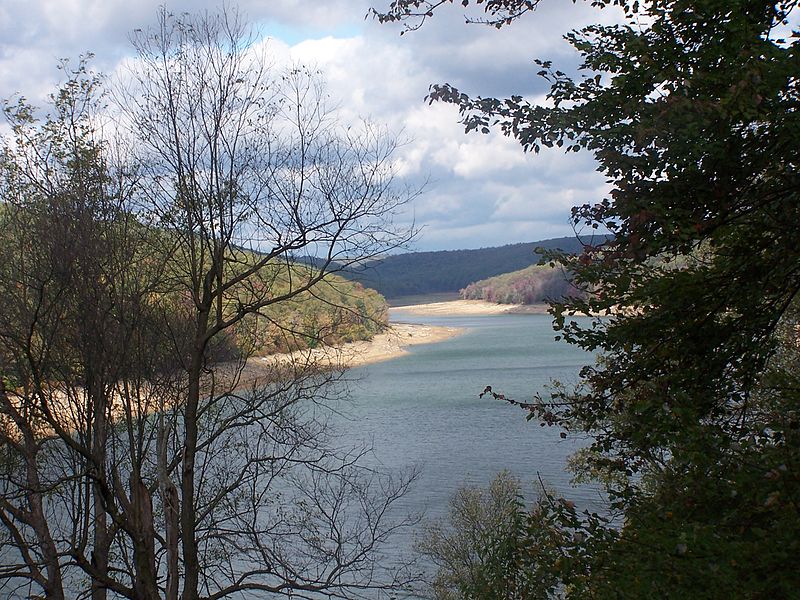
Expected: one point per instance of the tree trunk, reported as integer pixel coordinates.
(169, 500)
(191, 564)
(146, 582)
(99, 517)
(54, 587)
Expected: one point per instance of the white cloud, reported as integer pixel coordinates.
(484, 190)
(488, 155)
(368, 79)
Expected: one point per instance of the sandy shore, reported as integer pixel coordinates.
(468, 308)
(384, 346)
(395, 340)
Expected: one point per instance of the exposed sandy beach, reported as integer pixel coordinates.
(395, 340)
(384, 346)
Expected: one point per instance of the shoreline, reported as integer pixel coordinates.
(393, 342)
(390, 344)
(469, 308)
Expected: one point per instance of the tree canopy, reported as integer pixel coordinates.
(691, 110)
(532, 285)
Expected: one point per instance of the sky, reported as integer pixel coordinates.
(479, 190)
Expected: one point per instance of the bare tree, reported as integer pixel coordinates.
(77, 326)
(249, 171)
(153, 467)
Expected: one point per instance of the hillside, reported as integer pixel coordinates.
(420, 273)
(334, 311)
(530, 285)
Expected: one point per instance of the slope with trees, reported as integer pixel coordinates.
(133, 464)
(532, 285)
(335, 311)
(691, 109)
(451, 270)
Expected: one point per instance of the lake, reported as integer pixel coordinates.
(423, 409)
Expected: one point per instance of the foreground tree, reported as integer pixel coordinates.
(250, 172)
(76, 324)
(691, 109)
(485, 546)
(140, 458)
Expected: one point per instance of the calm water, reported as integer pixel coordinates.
(423, 409)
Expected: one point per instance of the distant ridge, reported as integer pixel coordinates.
(418, 273)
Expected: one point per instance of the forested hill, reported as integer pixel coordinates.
(531, 285)
(452, 270)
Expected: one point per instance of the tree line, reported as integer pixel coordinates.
(532, 285)
(415, 273)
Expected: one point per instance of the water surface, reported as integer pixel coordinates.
(423, 409)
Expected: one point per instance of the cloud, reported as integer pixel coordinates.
(367, 78)
(482, 190)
